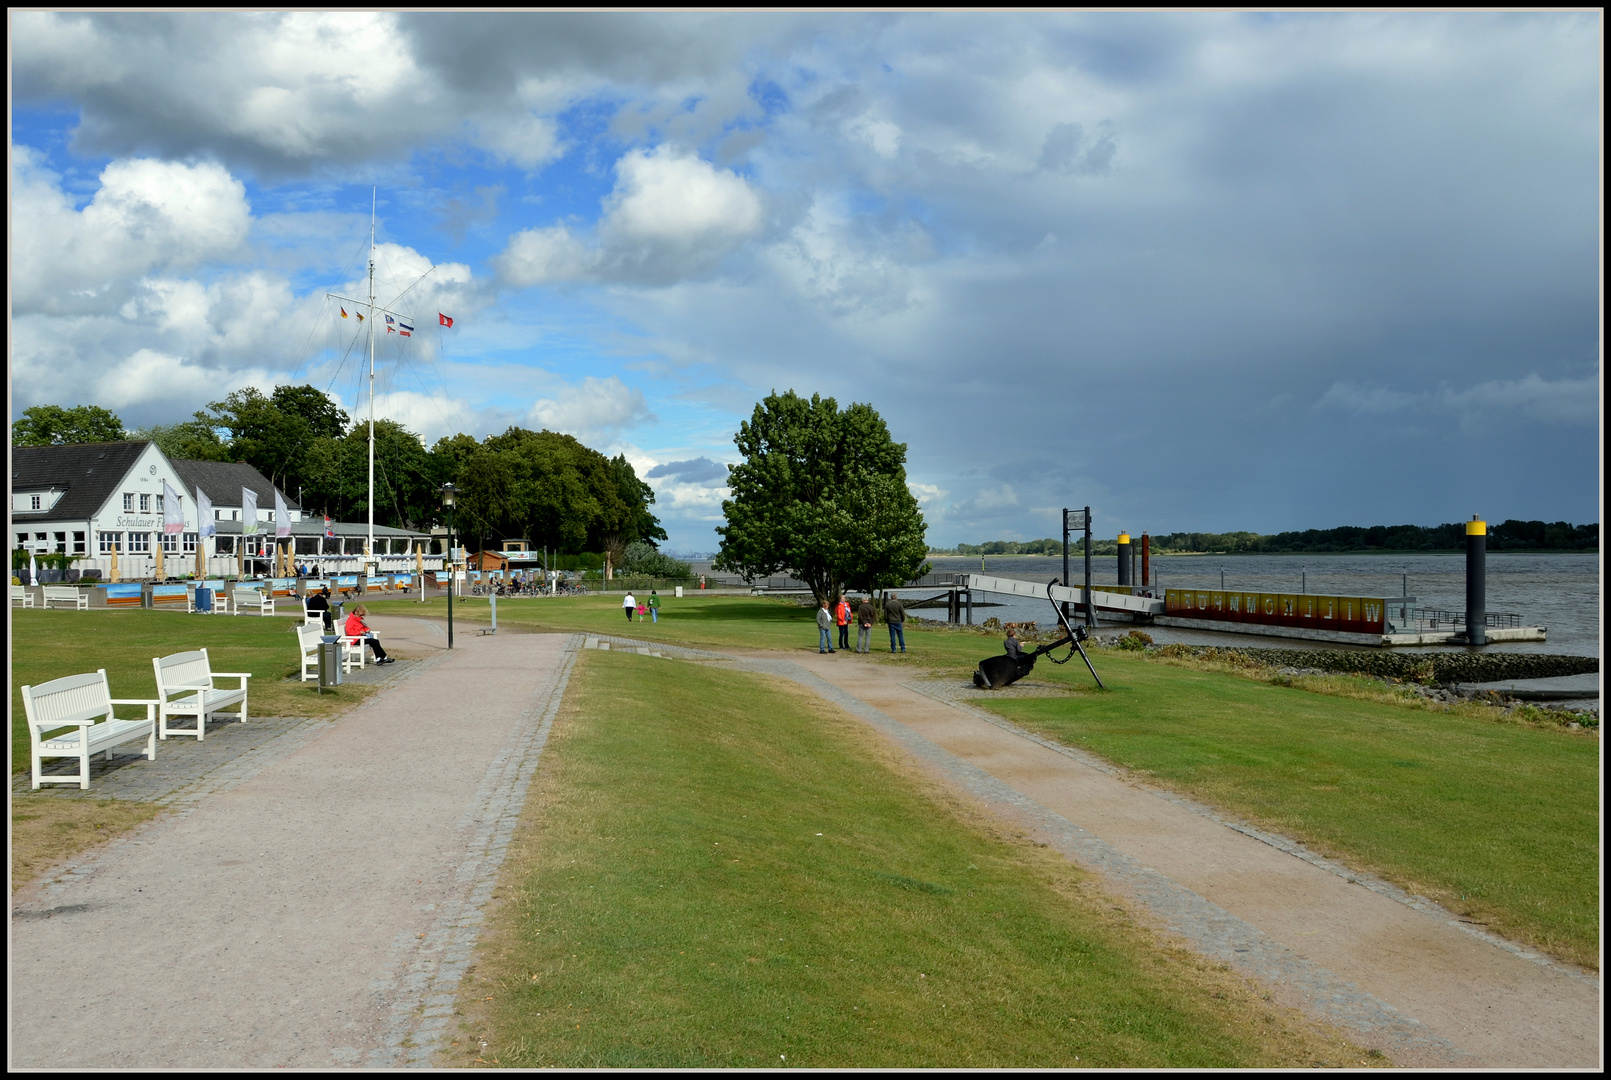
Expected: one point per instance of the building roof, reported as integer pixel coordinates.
(88, 472)
(223, 480)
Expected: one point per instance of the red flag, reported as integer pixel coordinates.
(444, 320)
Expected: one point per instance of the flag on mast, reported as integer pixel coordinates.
(282, 517)
(204, 516)
(173, 515)
(329, 529)
(404, 329)
(444, 320)
(343, 313)
(248, 512)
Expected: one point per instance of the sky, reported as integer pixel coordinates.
(1204, 271)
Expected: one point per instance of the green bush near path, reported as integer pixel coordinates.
(717, 870)
(48, 645)
(1496, 821)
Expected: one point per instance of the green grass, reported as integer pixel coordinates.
(720, 621)
(1497, 821)
(47, 645)
(718, 870)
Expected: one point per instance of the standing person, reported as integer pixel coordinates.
(629, 605)
(357, 628)
(841, 616)
(895, 616)
(824, 629)
(864, 624)
(654, 606)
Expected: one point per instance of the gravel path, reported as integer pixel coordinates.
(315, 909)
(1400, 973)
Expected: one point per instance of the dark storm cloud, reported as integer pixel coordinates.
(700, 470)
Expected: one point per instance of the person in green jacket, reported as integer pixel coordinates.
(654, 606)
(895, 618)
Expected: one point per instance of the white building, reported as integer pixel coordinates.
(87, 499)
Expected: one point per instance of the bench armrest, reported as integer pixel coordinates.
(134, 701)
(232, 674)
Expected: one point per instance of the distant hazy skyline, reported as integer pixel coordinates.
(1197, 270)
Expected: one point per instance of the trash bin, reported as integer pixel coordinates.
(329, 662)
(204, 599)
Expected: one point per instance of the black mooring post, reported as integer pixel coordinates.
(1065, 560)
(1124, 558)
(969, 594)
(1090, 604)
(1476, 582)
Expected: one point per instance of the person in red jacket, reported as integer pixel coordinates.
(841, 615)
(357, 628)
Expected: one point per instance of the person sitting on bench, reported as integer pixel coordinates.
(320, 602)
(357, 628)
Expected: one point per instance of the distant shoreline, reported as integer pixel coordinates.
(1266, 554)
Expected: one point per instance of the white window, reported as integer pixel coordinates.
(78, 543)
(170, 543)
(128, 500)
(22, 540)
(110, 542)
(145, 504)
(140, 543)
(190, 543)
(61, 541)
(159, 504)
(35, 502)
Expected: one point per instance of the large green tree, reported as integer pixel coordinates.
(821, 493)
(335, 477)
(195, 439)
(52, 425)
(275, 433)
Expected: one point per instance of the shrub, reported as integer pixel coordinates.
(643, 560)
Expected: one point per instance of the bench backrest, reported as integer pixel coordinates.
(75, 699)
(186, 669)
(310, 636)
(62, 592)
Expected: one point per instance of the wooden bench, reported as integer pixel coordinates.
(311, 635)
(84, 702)
(253, 599)
(22, 596)
(190, 675)
(66, 594)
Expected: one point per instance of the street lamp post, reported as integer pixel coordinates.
(448, 497)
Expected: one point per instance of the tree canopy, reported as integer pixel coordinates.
(821, 493)
(52, 425)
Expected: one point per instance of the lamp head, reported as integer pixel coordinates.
(448, 494)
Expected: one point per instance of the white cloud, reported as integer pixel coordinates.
(883, 136)
(146, 215)
(595, 409)
(1360, 398)
(149, 377)
(670, 216)
(1566, 401)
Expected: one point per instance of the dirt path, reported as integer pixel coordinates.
(1413, 983)
(317, 912)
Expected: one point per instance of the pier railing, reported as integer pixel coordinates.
(1413, 619)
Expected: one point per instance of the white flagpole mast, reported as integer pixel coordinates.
(369, 551)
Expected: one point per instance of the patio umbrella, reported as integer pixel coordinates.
(113, 575)
(33, 570)
(161, 569)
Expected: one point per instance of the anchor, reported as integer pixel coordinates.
(1004, 670)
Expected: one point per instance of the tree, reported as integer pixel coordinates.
(324, 416)
(335, 477)
(195, 439)
(52, 425)
(822, 494)
(276, 434)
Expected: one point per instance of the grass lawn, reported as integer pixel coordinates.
(47, 645)
(45, 831)
(1497, 821)
(716, 869)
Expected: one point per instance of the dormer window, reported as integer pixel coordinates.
(36, 502)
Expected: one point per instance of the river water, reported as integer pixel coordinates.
(1559, 592)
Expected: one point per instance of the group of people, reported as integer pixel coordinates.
(650, 607)
(841, 614)
(355, 625)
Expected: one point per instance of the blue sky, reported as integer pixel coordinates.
(1204, 271)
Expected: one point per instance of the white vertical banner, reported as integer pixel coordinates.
(173, 515)
(282, 517)
(205, 526)
(248, 512)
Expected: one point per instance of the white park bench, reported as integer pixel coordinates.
(310, 635)
(259, 600)
(22, 596)
(66, 594)
(190, 675)
(83, 702)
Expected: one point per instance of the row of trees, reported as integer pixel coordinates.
(1512, 535)
(821, 494)
(540, 486)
